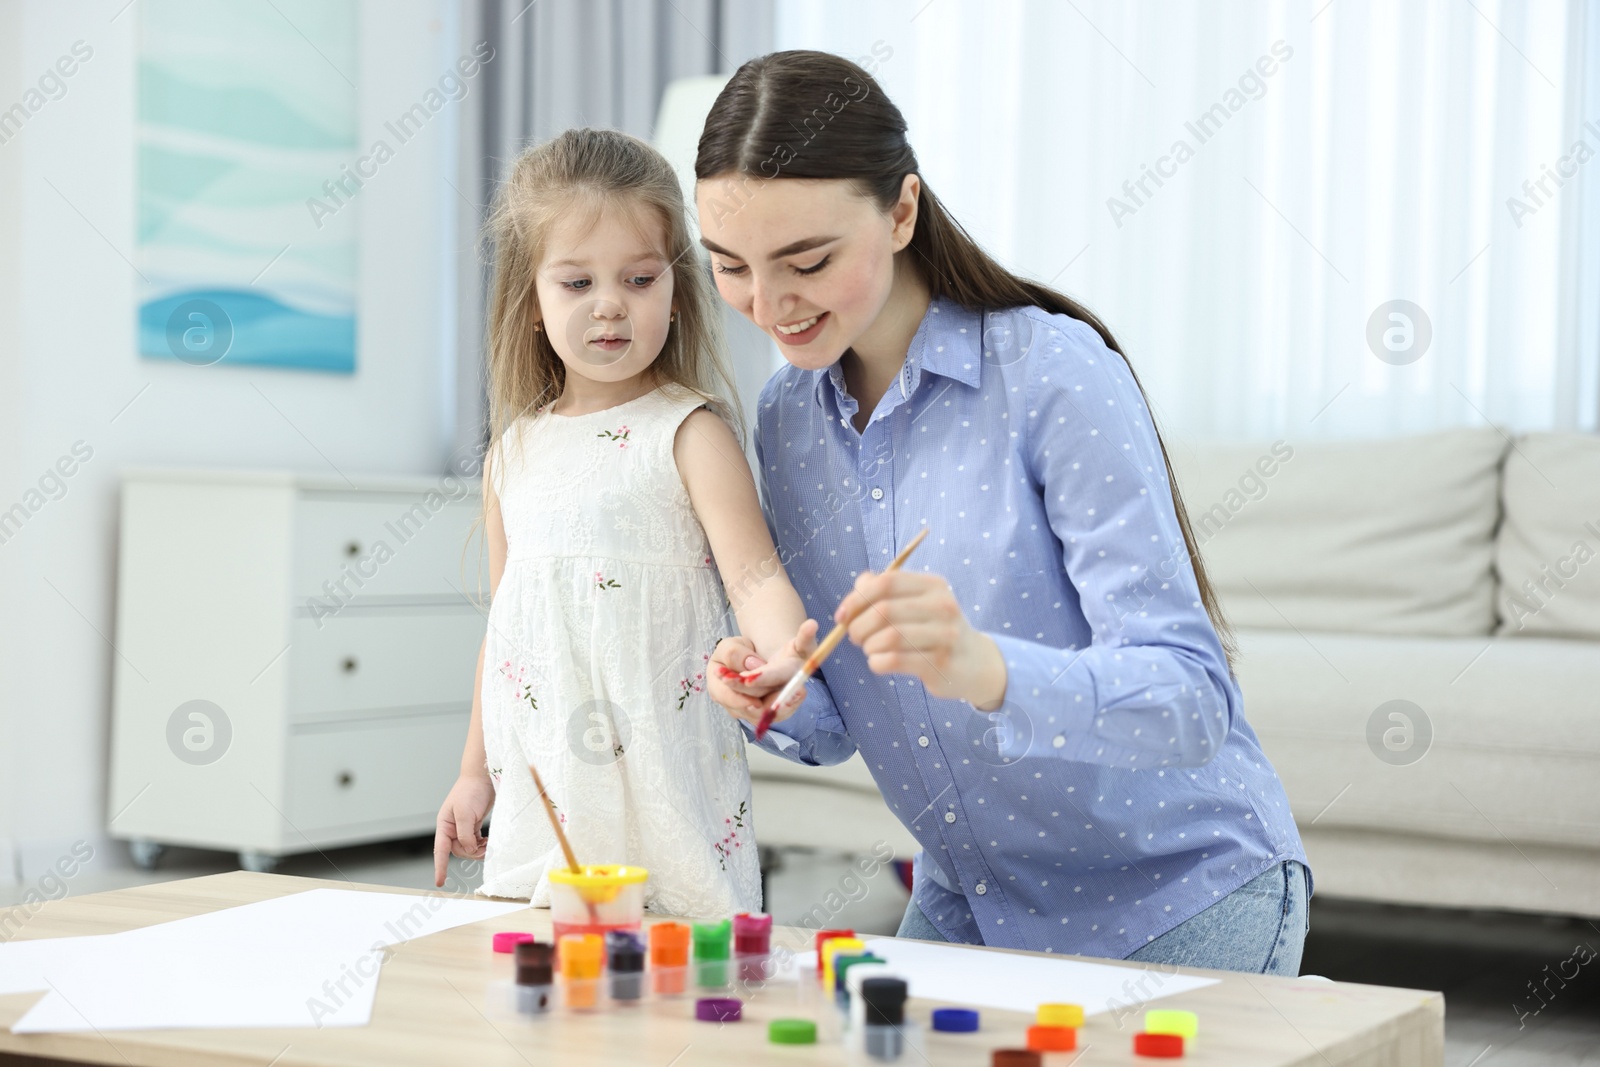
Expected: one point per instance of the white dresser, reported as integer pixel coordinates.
(295, 659)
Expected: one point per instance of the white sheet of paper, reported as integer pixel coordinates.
(25, 964)
(1021, 983)
(307, 959)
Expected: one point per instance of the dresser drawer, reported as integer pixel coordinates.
(349, 550)
(362, 660)
(381, 771)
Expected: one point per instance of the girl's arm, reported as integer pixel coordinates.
(469, 801)
(723, 493)
(775, 635)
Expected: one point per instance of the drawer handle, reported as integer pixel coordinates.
(350, 664)
(346, 779)
(353, 549)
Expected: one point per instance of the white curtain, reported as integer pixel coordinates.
(1355, 154)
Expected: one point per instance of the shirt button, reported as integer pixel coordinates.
(923, 741)
(949, 816)
(980, 889)
(877, 494)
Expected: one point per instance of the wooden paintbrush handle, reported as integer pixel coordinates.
(555, 822)
(837, 634)
(829, 643)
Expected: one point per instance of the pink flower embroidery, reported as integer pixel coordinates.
(520, 682)
(730, 842)
(602, 582)
(689, 687)
(620, 436)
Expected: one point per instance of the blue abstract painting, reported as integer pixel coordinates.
(246, 110)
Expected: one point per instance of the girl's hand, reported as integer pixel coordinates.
(461, 815)
(745, 684)
(913, 625)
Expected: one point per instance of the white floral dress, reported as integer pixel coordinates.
(595, 666)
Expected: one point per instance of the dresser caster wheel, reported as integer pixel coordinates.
(258, 862)
(146, 854)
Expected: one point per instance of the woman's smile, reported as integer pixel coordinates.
(801, 331)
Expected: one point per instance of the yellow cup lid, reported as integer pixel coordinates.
(600, 875)
(599, 883)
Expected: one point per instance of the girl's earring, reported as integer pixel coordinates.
(538, 327)
(674, 317)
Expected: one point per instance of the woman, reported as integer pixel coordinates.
(1044, 694)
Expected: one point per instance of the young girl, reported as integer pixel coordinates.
(1044, 692)
(615, 495)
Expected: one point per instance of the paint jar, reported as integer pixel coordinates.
(842, 962)
(713, 945)
(856, 971)
(883, 1031)
(533, 985)
(529, 993)
(752, 946)
(597, 899)
(669, 959)
(582, 959)
(836, 946)
(823, 937)
(625, 966)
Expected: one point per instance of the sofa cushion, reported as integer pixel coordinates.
(852, 774)
(1548, 551)
(1391, 537)
(831, 809)
(1440, 872)
(1500, 742)
(818, 817)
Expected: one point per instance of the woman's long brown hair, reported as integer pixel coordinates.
(804, 114)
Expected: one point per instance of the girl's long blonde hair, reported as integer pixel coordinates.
(598, 170)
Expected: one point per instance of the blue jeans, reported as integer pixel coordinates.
(1259, 928)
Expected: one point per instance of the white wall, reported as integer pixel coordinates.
(69, 372)
(10, 303)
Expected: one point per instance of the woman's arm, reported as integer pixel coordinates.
(1152, 688)
(469, 800)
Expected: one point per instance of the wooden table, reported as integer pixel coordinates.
(431, 1010)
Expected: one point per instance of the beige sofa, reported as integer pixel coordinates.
(1419, 623)
(1419, 632)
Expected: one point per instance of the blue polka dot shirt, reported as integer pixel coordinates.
(1118, 790)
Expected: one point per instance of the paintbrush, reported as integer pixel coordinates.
(561, 836)
(829, 643)
(555, 822)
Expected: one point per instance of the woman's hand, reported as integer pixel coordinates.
(912, 625)
(460, 817)
(745, 684)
